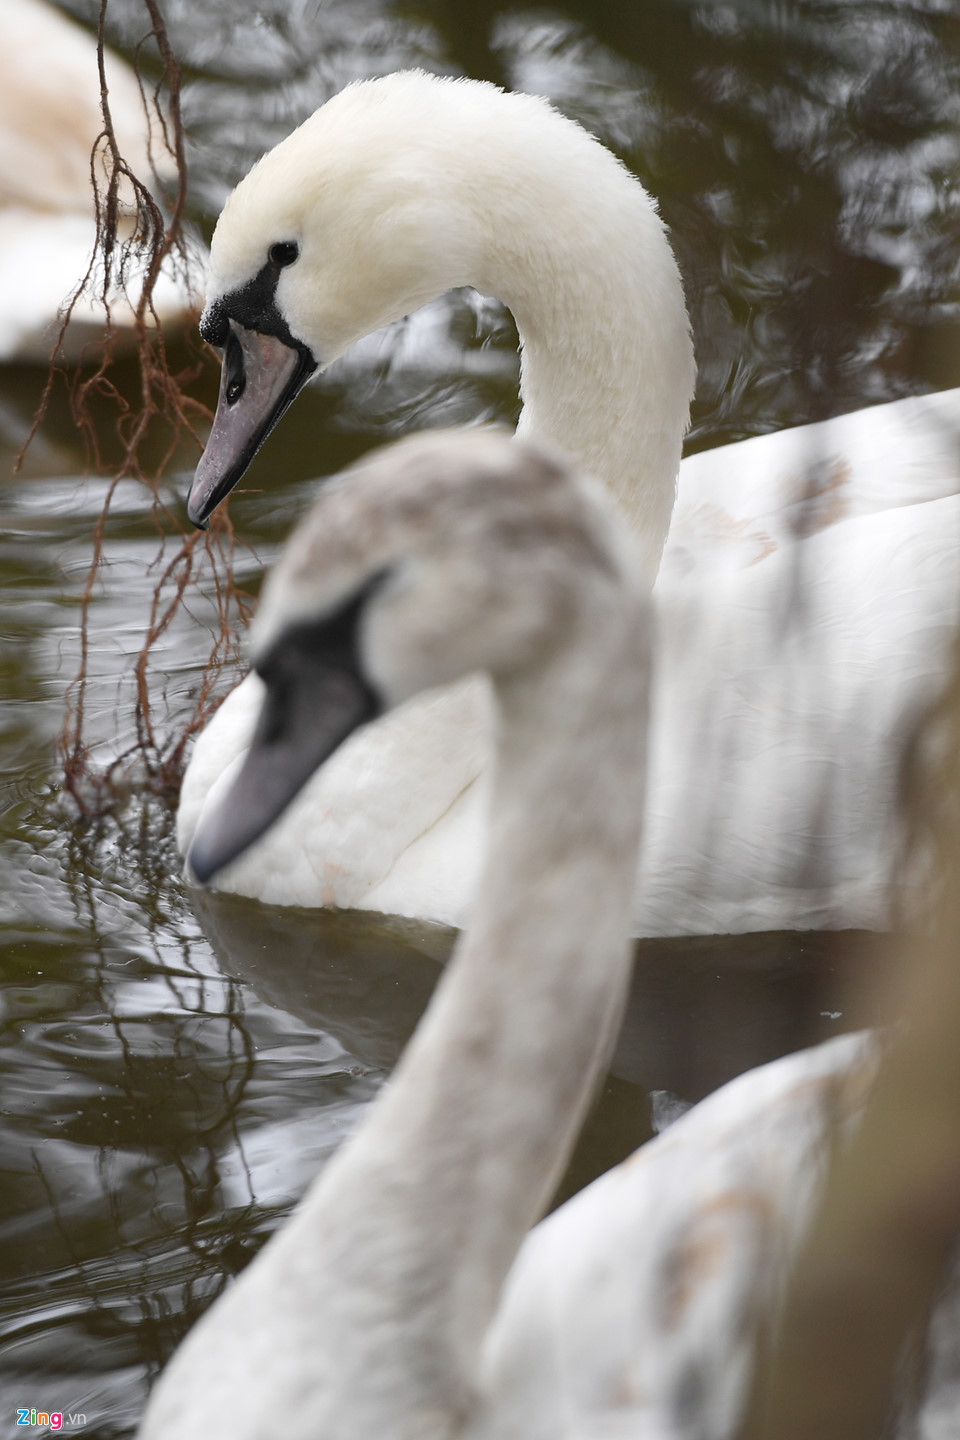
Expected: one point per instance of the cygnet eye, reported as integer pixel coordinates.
(284, 252)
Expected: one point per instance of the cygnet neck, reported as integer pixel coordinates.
(419, 1219)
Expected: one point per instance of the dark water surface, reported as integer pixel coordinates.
(173, 1070)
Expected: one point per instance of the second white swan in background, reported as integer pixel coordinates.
(50, 118)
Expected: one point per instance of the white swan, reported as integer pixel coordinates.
(394, 1302)
(777, 722)
(49, 119)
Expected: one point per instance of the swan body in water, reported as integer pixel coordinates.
(808, 585)
(405, 1297)
(49, 119)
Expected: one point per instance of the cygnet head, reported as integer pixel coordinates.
(442, 555)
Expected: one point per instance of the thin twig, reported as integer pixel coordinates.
(131, 238)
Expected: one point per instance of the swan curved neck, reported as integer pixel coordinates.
(426, 1209)
(572, 243)
(606, 369)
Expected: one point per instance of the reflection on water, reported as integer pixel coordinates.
(174, 1068)
(157, 1116)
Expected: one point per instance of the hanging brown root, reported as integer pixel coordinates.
(139, 235)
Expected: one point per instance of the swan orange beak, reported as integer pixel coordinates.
(260, 377)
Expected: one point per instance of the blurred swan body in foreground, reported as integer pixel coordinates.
(808, 583)
(405, 1298)
(49, 119)
(443, 556)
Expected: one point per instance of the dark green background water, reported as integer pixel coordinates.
(172, 1077)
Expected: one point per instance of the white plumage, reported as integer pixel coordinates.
(49, 119)
(631, 1313)
(402, 1300)
(808, 584)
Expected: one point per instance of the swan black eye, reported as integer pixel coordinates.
(284, 252)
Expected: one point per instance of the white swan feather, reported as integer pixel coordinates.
(808, 582)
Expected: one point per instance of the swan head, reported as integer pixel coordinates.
(348, 224)
(409, 185)
(445, 554)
